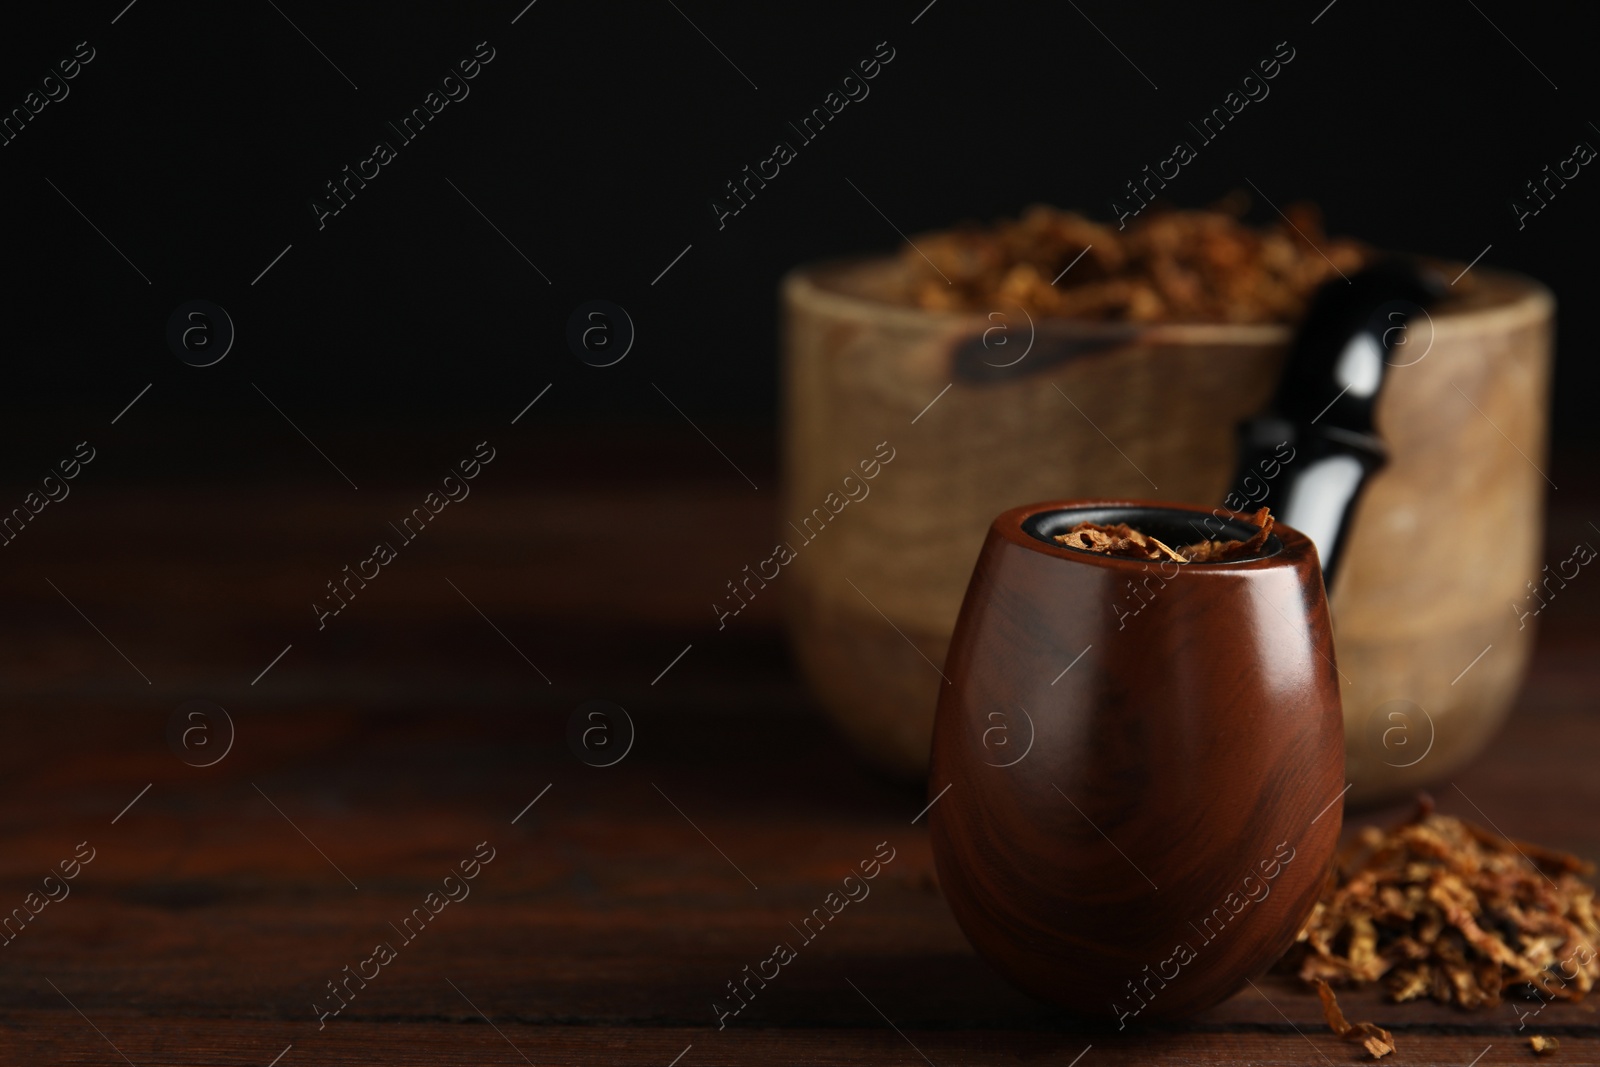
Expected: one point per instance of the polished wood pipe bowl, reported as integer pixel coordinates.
(1145, 762)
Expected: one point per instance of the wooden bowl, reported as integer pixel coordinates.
(1114, 411)
(1138, 768)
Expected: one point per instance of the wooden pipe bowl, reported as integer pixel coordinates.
(1145, 784)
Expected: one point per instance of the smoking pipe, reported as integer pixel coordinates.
(1138, 767)
(1321, 416)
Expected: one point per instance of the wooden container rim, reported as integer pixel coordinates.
(1500, 301)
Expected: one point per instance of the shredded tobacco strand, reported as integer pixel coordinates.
(1375, 1039)
(1439, 908)
(1124, 541)
(1117, 540)
(1216, 551)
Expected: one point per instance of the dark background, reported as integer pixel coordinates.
(594, 141)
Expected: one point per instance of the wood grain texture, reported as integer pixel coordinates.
(206, 925)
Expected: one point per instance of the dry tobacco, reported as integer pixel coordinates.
(1439, 908)
(1374, 1038)
(1124, 541)
(1171, 266)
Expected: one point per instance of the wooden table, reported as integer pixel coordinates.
(377, 753)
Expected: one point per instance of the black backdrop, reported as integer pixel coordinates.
(594, 141)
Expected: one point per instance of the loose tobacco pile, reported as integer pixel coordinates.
(1124, 541)
(1440, 908)
(1166, 266)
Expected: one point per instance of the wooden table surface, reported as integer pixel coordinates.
(379, 752)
